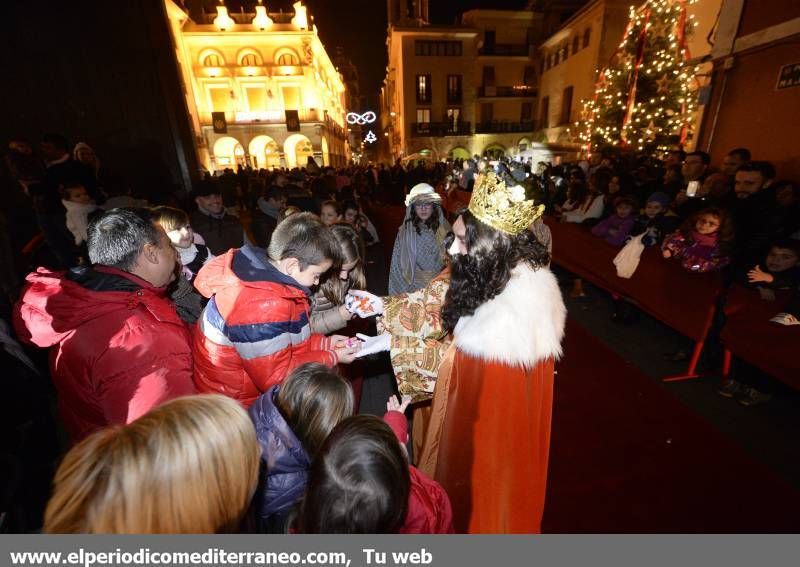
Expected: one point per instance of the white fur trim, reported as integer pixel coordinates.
(521, 326)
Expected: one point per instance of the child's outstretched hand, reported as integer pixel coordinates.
(394, 405)
(758, 275)
(346, 348)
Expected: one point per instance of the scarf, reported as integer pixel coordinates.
(210, 214)
(709, 240)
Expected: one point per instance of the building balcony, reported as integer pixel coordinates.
(504, 126)
(441, 129)
(517, 91)
(264, 117)
(505, 50)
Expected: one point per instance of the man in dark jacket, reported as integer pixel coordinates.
(118, 345)
(220, 230)
(267, 215)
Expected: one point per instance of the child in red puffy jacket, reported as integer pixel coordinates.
(255, 329)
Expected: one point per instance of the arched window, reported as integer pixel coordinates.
(212, 60)
(586, 36)
(287, 57)
(249, 60)
(576, 44)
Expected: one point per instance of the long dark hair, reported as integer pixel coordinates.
(358, 483)
(483, 272)
(432, 223)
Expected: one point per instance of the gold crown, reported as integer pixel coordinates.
(502, 207)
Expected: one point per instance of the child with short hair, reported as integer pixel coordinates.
(653, 221)
(781, 267)
(292, 420)
(255, 329)
(192, 251)
(79, 205)
(615, 228)
(700, 244)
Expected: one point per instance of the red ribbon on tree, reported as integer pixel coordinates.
(634, 77)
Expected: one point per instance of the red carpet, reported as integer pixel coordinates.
(627, 457)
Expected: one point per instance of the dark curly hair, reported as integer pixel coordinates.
(482, 273)
(432, 223)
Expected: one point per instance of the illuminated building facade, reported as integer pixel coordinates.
(459, 90)
(260, 88)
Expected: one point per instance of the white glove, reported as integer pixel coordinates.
(373, 345)
(363, 303)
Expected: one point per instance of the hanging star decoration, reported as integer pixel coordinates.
(661, 28)
(626, 60)
(663, 84)
(652, 130)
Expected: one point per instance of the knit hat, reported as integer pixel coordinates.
(422, 192)
(660, 198)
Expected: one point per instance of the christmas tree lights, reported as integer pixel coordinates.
(645, 99)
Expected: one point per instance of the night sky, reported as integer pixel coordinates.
(359, 27)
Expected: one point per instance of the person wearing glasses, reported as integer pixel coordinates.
(418, 250)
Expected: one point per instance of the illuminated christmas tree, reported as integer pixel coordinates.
(646, 98)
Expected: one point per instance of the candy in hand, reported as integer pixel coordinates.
(363, 303)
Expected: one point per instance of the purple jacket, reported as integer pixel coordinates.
(614, 229)
(284, 473)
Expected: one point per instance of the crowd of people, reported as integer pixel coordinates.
(741, 220)
(227, 302)
(194, 339)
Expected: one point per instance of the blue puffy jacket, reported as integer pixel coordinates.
(285, 461)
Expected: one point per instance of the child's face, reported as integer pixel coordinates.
(344, 272)
(310, 276)
(78, 195)
(613, 185)
(707, 224)
(653, 209)
(351, 216)
(624, 210)
(182, 237)
(424, 210)
(781, 259)
(328, 215)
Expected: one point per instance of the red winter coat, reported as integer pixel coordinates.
(254, 330)
(429, 510)
(119, 347)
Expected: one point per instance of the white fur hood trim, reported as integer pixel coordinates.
(521, 326)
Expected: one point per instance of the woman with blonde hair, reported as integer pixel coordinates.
(188, 466)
